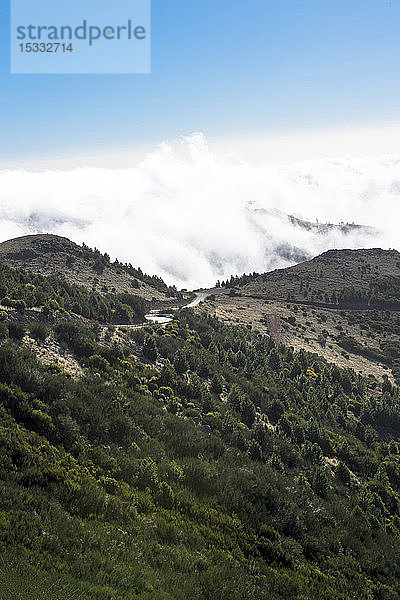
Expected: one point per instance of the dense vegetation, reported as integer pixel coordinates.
(382, 293)
(193, 460)
(20, 289)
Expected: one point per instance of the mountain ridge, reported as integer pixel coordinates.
(52, 254)
(342, 304)
(320, 305)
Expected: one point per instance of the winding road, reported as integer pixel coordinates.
(202, 295)
(162, 318)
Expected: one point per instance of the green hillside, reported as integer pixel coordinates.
(48, 254)
(192, 460)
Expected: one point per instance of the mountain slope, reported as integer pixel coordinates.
(328, 277)
(194, 460)
(343, 304)
(51, 254)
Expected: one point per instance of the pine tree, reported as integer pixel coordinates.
(319, 482)
(150, 350)
(343, 474)
(274, 361)
(180, 362)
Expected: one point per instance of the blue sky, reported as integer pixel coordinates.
(223, 67)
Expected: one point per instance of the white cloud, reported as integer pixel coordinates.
(192, 215)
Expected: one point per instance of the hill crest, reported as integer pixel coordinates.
(48, 254)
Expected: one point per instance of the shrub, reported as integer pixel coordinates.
(39, 330)
(3, 331)
(150, 350)
(16, 330)
(165, 495)
(98, 363)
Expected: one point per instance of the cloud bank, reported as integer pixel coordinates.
(194, 216)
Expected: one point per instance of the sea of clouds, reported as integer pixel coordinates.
(193, 216)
